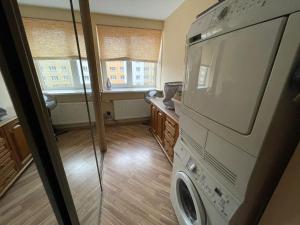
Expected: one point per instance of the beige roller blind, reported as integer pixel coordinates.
(53, 39)
(128, 43)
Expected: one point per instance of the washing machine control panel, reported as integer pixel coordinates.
(216, 193)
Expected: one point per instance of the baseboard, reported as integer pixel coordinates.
(73, 126)
(145, 120)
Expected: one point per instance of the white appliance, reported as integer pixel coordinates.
(239, 115)
(197, 196)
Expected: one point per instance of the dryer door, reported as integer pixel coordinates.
(191, 207)
(226, 76)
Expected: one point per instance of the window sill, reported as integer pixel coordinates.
(127, 90)
(66, 92)
(113, 90)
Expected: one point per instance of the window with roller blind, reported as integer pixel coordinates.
(129, 56)
(54, 50)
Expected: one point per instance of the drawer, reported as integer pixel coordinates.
(170, 138)
(2, 141)
(172, 122)
(5, 158)
(170, 127)
(169, 149)
(7, 167)
(3, 151)
(7, 178)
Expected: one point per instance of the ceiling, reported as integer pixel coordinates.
(149, 9)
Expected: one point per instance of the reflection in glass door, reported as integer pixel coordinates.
(26, 136)
(63, 78)
(20, 183)
(59, 54)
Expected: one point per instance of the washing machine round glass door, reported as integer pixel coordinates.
(189, 202)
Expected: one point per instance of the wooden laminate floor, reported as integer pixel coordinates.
(136, 182)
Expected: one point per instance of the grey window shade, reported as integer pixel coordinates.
(53, 39)
(117, 43)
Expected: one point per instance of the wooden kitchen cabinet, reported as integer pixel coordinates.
(18, 142)
(8, 164)
(15, 153)
(164, 127)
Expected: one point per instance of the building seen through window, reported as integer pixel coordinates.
(62, 74)
(130, 73)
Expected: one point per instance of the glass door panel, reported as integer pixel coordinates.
(23, 199)
(65, 83)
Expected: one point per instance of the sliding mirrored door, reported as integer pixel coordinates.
(56, 40)
(62, 79)
(26, 133)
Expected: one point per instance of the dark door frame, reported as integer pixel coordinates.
(20, 77)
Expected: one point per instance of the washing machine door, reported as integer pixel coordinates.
(191, 207)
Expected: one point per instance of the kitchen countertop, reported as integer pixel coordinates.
(11, 115)
(158, 102)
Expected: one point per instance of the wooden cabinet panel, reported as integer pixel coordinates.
(153, 118)
(8, 165)
(160, 126)
(171, 135)
(15, 154)
(18, 142)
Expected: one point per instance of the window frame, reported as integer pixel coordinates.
(128, 73)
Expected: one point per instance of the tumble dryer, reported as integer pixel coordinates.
(240, 108)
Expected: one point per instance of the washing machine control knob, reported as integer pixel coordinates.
(192, 167)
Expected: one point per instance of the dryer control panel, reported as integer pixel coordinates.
(216, 193)
(232, 15)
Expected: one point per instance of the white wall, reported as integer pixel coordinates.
(175, 29)
(72, 113)
(5, 101)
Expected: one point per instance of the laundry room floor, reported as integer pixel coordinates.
(136, 179)
(136, 182)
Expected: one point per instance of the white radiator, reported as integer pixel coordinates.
(130, 109)
(71, 113)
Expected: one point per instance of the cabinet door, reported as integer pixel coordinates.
(160, 125)
(8, 165)
(18, 141)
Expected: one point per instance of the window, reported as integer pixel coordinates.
(52, 68)
(139, 49)
(129, 75)
(53, 47)
(54, 77)
(61, 74)
(86, 73)
(117, 75)
(202, 77)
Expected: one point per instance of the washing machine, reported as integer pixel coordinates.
(197, 197)
(240, 110)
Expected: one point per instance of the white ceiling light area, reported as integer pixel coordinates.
(148, 9)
